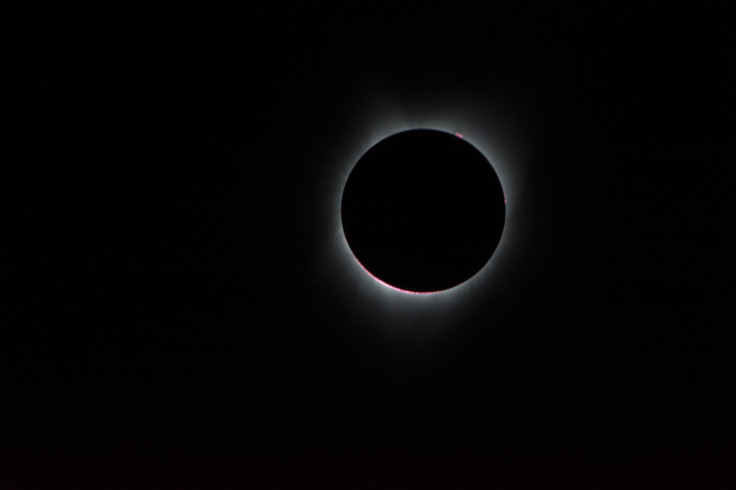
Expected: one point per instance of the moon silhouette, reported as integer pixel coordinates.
(423, 211)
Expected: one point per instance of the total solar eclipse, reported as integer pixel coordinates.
(423, 211)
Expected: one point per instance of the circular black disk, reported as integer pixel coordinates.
(423, 210)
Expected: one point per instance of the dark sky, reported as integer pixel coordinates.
(175, 312)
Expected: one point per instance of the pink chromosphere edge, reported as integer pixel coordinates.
(389, 285)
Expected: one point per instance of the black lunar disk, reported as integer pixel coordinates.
(423, 210)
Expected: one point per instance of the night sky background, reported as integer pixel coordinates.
(170, 316)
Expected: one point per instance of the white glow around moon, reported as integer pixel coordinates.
(483, 125)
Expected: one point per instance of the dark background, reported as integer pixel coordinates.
(167, 320)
